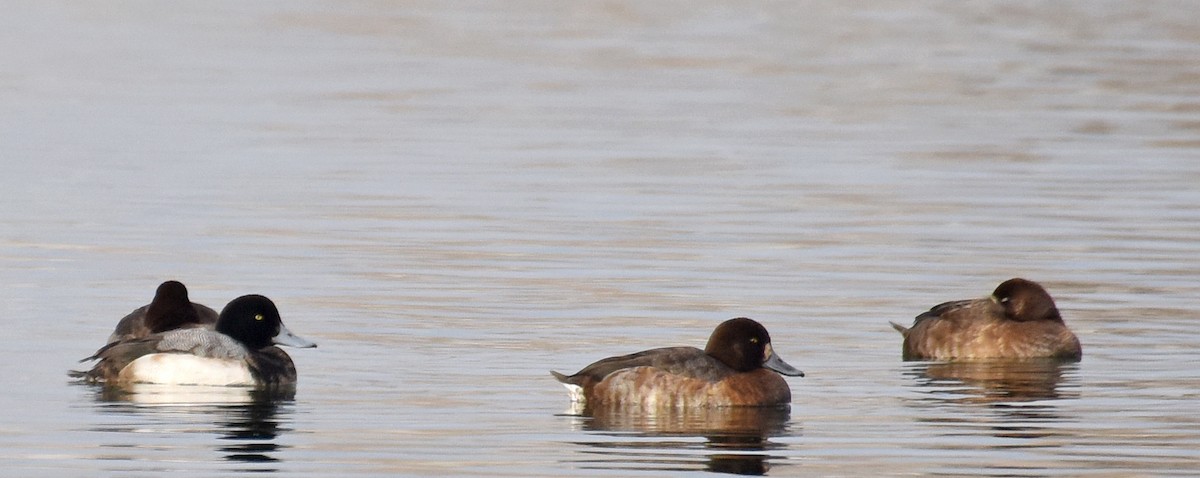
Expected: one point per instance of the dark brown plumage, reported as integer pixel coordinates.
(1018, 321)
(169, 310)
(738, 367)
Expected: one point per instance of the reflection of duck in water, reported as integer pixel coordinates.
(253, 428)
(172, 394)
(247, 420)
(738, 367)
(1018, 321)
(1003, 398)
(996, 381)
(729, 421)
(736, 439)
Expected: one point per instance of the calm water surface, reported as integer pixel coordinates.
(454, 199)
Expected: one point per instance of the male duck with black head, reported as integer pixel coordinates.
(738, 367)
(169, 310)
(1018, 321)
(239, 351)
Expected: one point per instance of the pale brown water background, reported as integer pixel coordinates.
(454, 198)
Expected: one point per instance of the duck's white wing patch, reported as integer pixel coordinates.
(187, 369)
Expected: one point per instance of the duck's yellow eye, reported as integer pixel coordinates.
(754, 340)
(258, 317)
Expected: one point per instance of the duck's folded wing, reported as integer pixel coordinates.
(131, 326)
(945, 309)
(134, 326)
(686, 361)
(114, 357)
(200, 342)
(207, 315)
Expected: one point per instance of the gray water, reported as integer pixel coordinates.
(453, 199)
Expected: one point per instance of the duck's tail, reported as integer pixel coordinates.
(574, 391)
(900, 328)
(83, 376)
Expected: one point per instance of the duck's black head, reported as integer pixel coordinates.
(254, 320)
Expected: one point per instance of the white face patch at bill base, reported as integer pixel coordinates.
(187, 369)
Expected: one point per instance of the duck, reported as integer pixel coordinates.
(240, 351)
(738, 367)
(1019, 320)
(170, 309)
